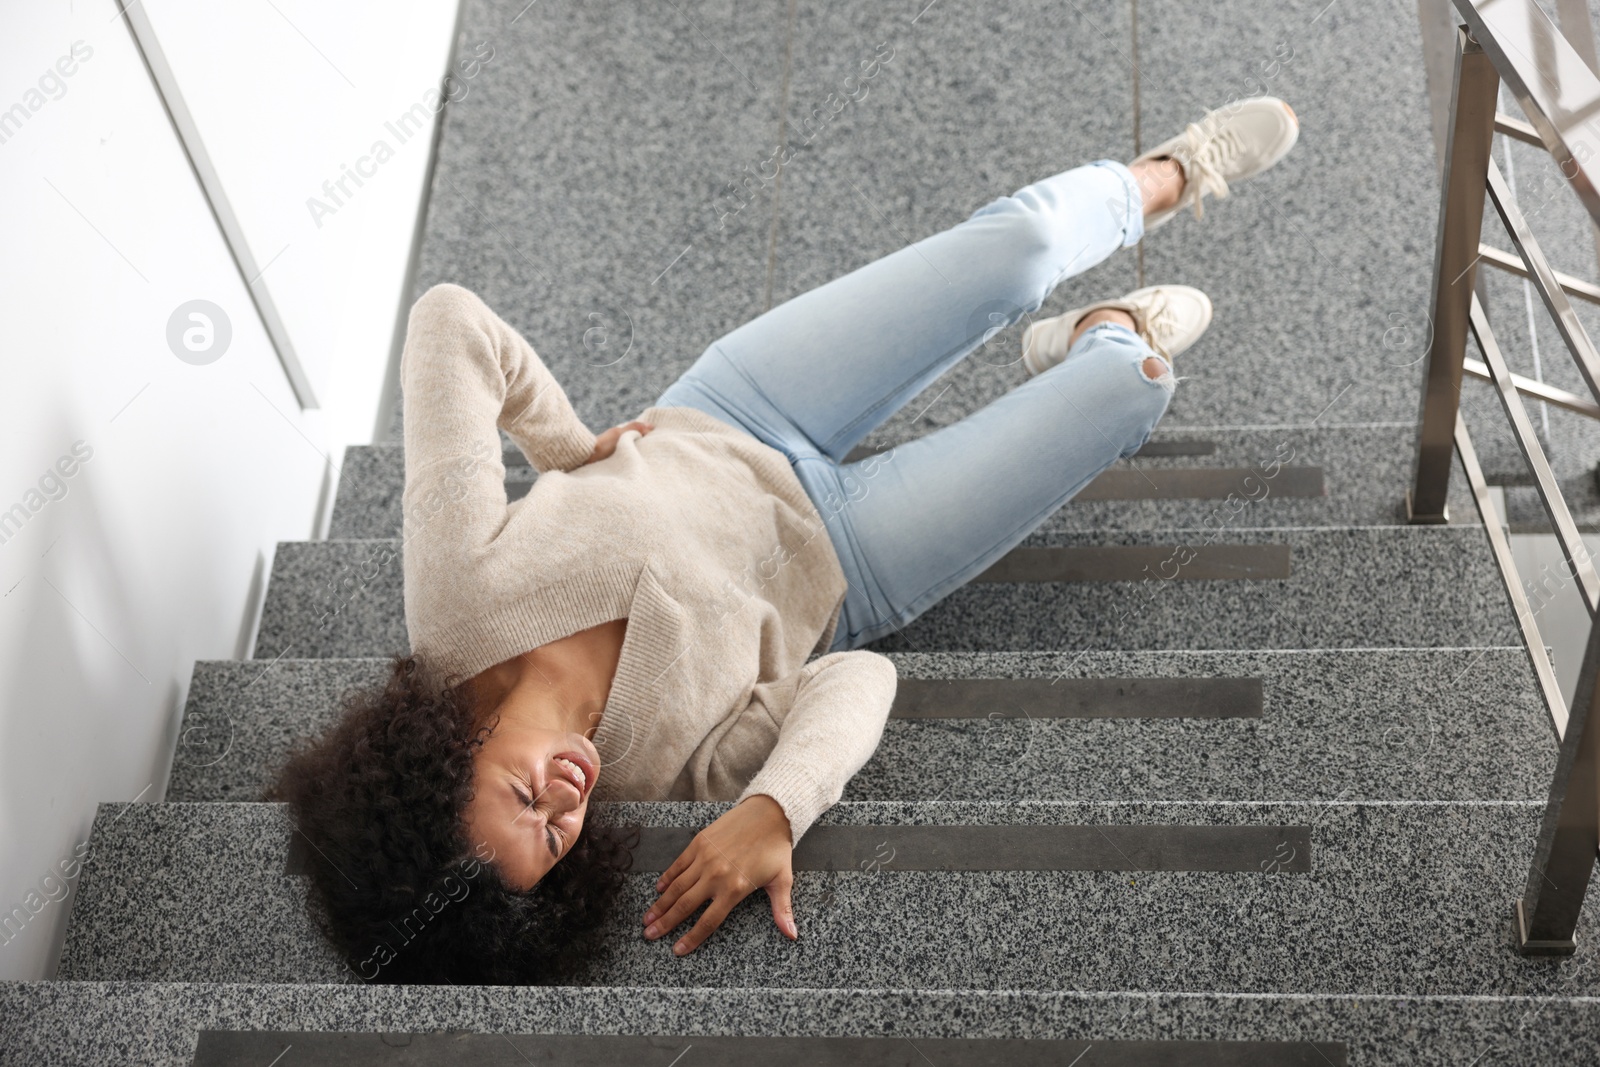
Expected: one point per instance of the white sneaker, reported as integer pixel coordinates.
(1232, 143)
(1170, 318)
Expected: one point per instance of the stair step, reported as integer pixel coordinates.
(1417, 896)
(1399, 724)
(1134, 563)
(146, 1024)
(1346, 588)
(1320, 476)
(1379, 586)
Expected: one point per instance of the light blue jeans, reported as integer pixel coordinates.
(815, 375)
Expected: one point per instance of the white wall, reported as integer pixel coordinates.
(141, 561)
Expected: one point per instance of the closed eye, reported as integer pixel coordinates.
(525, 799)
(549, 834)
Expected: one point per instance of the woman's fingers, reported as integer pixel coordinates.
(720, 906)
(782, 907)
(681, 909)
(606, 443)
(681, 901)
(679, 865)
(669, 896)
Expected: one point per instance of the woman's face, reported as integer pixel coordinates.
(531, 789)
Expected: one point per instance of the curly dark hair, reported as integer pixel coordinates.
(397, 885)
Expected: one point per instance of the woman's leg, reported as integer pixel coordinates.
(915, 523)
(816, 374)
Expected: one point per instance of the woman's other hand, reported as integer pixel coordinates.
(748, 848)
(606, 443)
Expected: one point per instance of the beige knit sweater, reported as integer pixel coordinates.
(698, 534)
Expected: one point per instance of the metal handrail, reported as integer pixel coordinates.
(1572, 547)
(1549, 394)
(1514, 41)
(1513, 265)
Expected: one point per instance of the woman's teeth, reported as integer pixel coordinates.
(577, 772)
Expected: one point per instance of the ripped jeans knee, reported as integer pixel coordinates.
(1157, 371)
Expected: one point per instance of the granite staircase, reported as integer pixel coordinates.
(1268, 807)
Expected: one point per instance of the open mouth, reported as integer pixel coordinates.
(577, 769)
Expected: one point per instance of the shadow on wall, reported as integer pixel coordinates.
(86, 693)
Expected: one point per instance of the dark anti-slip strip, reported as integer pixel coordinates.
(1203, 483)
(1177, 448)
(1077, 698)
(254, 1048)
(1137, 563)
(1239, 849)
(1095, 847)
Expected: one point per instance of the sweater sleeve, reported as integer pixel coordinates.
(464, 375)
(840, 706)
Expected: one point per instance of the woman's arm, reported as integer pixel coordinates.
(840, 706)
(465, 374)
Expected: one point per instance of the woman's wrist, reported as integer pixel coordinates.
(769, 809)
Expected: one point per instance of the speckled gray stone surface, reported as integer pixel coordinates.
(1398, 724)
(1320, 268)
(367, 502)
(1413, 896)
(578, 182)
(65, 1024)
(1348, 588)
(1401, 898)
(975, 103)
(1356, 587)
(240, 720)
(752, 248)
(333, 598)
(1401, 724)
(1366, 470)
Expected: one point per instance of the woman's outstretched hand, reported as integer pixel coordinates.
(748, 848)
(606, 443)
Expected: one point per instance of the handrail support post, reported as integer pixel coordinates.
(1467, 153)
(1563, 862)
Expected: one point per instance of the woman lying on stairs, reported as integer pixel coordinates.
(677, 610)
